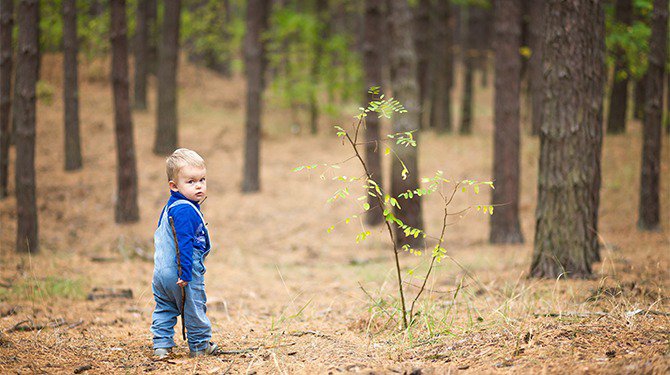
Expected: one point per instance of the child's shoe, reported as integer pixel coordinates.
(162, 353)
(210, 350)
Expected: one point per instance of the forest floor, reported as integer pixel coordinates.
(290, 298)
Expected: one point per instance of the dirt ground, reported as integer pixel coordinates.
(285, 296)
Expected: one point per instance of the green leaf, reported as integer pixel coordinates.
(366, 206)
(491, 210)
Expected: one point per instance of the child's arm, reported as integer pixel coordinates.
(186, 223)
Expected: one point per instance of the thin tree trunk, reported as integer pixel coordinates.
(168, 57)
(442, 54)
(483, 41)
(505, 227)
(422, 42)
(254, 51)
(71, 86)
(126, 209)
(638, 109)
(566, 241)
(466, 100)
(321, 10)
(152, 49)
(470, 28)
(6, 27)
(224, 66)
(405, 89)
(649, 209)
(141, 54)
(26, 80)
(616, 120)
(373, 30)
(536, 78)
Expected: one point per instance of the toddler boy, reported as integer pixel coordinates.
(174, 275)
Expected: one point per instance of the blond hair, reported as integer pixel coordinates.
(181, 158)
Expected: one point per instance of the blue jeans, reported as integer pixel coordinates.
(168, 307)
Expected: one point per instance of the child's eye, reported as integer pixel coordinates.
(202, 179)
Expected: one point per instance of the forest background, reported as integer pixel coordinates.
(296, 283)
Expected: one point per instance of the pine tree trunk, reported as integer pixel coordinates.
(470, 28)
(152, 48)
(126, 210)
(466, 100)
(168, 57)
(638, 109)
(373, 30)
(505, 227)
(422, 42)
(6, 27)
(71, 86)
(566, 240)
(405, 89)
(649, 210)
(37, 69)
(535, 75)
(224, 66)
(26, 80)
(141, 52)
(442, 54)
(483, 41)
(254, 54)
(321, 10)
(616, 120)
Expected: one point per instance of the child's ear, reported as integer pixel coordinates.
(173, 186)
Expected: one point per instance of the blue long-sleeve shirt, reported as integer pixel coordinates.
(191, 232)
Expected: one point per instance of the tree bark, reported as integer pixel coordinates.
(536, 78)
(566, 240)
(141, 54)
(254, 53)
(422, 42)
(443, 66)
(6, 27)
(168, 57)
(126, 209)
(26, 80)
(616, 120)
(71, 86)
(649, 210)
(372, 34)
(405, 89)
(505, 227)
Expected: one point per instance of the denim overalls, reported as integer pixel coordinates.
(167, 293)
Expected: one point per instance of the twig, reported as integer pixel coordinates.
(20, 326)
(572, 314)
(254, 348)
(600, 313)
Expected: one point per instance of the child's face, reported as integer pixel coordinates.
(191, 183)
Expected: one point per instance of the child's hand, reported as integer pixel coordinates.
(182, 283)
